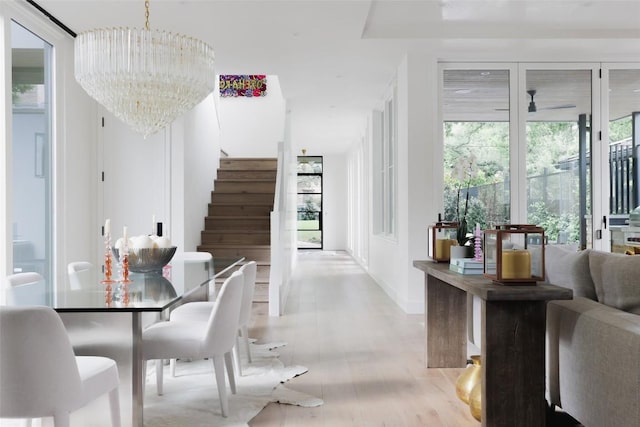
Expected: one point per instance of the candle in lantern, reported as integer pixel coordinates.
(516, 264)
(443, 248)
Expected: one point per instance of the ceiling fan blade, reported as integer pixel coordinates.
(558, 107)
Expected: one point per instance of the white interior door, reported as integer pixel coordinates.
(136, 173)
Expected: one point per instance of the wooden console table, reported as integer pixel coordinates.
(513, 340)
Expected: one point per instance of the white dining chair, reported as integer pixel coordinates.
(200, 311)
(213, 339)
(25, 288)
(41, 376)
(77, 271)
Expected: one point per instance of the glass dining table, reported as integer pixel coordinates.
(109, 322)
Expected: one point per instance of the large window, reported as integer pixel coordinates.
(385, 147)
(476, 147)
(518, 147)
(31, 154)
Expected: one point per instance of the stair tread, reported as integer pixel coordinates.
(238, 231)
(242, 203)
(244, 180)
(234, 245)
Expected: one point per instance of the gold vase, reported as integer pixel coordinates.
(475, 401)
(468, 379)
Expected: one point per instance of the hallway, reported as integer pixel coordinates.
(365, 355)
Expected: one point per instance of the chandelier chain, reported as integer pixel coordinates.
(146, 15)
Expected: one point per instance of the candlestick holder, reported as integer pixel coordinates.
(124, 262)
(108, 294)
(108, 260)
(125, 294)
(477, 249)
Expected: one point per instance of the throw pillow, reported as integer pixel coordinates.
(566, 267)
(617, 280)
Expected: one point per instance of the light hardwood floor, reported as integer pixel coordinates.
(365, 355)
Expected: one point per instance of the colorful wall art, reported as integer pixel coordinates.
(247, 85)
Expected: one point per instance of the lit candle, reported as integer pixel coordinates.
(107, 227)
(443, 248)
(516, 264)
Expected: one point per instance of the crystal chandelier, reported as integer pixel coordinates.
(147, 78)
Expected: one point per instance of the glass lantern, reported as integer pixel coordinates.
(514, 254)
(441, 236)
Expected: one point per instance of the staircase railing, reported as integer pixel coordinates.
(283, 248)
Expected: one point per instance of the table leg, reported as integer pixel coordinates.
(137, 373)
(445, 324)
(513, 363)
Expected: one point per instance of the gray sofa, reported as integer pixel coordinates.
(593, 341)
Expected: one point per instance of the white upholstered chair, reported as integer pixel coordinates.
(200, 311)
(76, 272)
(213, 339)
(41, 376)
(24, 289)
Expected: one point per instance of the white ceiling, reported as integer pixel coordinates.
(335, 59)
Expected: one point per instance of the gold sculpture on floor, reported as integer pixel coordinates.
(475, 401)
(468, 379)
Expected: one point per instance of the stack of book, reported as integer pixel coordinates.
(466, 266)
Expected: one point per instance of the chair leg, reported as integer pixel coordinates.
(61, 419)
(232, 379)
(159, 368)
(245, 334)
(172, 367)
(236, 358)
(218, 368)
(114, 406)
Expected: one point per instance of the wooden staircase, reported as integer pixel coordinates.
(238, 222)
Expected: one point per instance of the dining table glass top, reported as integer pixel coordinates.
(153, 291)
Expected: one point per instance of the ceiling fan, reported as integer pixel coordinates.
(533, 108)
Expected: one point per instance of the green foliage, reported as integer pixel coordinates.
(18, 89)
(549, 144)
(554, 223)
(620, 129)
(309, 211)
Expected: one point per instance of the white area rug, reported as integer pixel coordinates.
(191, 398)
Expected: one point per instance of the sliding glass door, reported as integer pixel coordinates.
(622, 182)
(31, 156)
(558, 153)
(518, 147)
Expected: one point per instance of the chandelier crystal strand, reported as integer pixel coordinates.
(146, 78)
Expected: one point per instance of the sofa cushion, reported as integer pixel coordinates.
(569, 268)
(617, 280)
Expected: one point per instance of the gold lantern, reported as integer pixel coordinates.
(514, 254)
(441, 236)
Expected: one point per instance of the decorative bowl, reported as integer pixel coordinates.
(146, 260)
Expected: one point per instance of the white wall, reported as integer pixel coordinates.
(418, 181)
(201, 156)
(334, 206)
(252, 127)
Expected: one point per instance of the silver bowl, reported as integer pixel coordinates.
(148, 260)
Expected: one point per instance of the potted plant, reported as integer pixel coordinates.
(465, 173)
